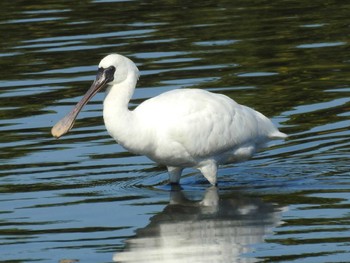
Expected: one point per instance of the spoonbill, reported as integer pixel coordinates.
(180, 128)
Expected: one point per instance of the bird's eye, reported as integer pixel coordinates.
(110, 73)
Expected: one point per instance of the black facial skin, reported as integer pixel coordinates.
(108, 72)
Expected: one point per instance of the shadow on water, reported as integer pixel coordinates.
(218, 228)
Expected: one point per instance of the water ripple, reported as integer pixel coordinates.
(83, 197)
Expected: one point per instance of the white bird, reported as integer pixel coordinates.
(179, 128)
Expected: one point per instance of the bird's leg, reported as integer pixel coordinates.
(174, 174)
(209, 170)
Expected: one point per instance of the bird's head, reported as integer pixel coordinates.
(113, 69)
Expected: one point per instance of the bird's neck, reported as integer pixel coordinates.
(116, 114)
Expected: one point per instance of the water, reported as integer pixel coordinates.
(84, 198)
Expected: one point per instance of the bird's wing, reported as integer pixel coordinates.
(201, 122)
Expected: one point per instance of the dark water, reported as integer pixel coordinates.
(83, 198)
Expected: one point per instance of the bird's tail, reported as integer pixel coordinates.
(277, 135)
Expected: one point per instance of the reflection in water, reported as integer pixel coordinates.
(289, 59)
(211, 230)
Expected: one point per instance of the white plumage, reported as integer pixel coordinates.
(180, 128)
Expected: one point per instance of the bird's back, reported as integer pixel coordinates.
(196, 124)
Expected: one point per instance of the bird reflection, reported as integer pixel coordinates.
(215, 229)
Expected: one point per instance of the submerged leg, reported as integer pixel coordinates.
(209, 170)
(174, 174)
